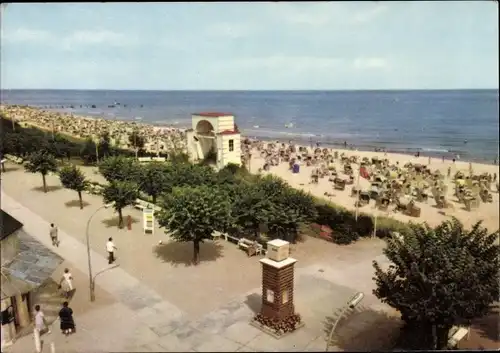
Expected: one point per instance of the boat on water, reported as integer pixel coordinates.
(289, 125)
(256, 126)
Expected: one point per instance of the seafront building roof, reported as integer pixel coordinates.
(30, 268)
(212, 114)
(8, 225)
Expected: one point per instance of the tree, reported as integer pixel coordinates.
(153, 179)
(136, 140)
(192, 175)
(104, 144)
(88, 151)
(73, 178)
(439, 277)
(58, 147)
(291, 207)
(251, 208)
(119, 168)
(194, 213)
(123, 194)
(43, 163)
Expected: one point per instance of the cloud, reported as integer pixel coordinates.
(327, 13)
(368, 15)
(96, 37)
(300, 64)
(288, 64)
(230, 30)
(370, 63)
(22, 35)
(68, 42)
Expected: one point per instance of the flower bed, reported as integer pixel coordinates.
(276, 327)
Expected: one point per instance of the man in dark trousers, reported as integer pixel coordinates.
(110, 248)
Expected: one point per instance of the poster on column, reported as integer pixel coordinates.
(148, 220)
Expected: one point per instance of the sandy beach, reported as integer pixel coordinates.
(273, 157)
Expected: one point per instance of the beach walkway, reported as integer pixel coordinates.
(155, 301)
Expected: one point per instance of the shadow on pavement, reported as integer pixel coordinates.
(484, 334)
(50, 188)
(181, 253)
(76, 203)
(363, 330)
(10, 169)
(254, 302)
(113, 222)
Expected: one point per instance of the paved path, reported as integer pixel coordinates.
(141, 320)
(149, 308)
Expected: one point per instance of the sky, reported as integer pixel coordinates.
(250, 46)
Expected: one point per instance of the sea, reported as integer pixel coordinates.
(461, 124)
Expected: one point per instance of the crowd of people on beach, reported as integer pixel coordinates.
(157, 139)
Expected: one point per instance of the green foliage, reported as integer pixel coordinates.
(178, 157)
(73, 178)
(440, 277)
(136, 140)
(153, 179)
(88, 152)
(104, 145)
(194, 213)
(272, 204)
(251, 209)
(291, 207)
(341, 220)
(188, 175)
(119, 168)
(43, 163)
(123, 194)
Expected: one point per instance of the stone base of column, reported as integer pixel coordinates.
(277, 328)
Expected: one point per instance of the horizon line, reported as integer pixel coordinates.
(249, 90)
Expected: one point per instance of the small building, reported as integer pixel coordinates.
(25, 265)
(216, 134)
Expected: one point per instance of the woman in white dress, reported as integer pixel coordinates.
(66, 283)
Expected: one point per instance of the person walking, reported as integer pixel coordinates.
(110, 247)
(40, 322)
(66, 283)
(66, 319)
(53, 235)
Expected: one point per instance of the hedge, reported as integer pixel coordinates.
(345, 228)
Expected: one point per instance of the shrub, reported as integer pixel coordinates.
(344, 225)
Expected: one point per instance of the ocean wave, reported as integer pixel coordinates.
(434, 150)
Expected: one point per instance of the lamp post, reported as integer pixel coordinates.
(357, 196)
(138, 118)
(91, 279)
(375, 221)
(351, 304)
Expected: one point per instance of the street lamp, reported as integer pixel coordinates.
(137, 118)
(351, 304)
(91, 279)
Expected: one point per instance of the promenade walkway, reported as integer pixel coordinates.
(163, 306)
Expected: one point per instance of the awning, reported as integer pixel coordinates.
(31, 267)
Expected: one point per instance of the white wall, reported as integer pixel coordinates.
(231, 156)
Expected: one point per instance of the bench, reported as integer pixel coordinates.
(250, 247)
(459, 335)
(14, 159)
(216, 235)
(144, 159)
(159, 159)
(141, 205)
